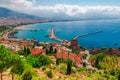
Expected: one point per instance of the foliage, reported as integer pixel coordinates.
(43, 68)
(51, 49)
(17, 65)
(119, 76)
(26, 51)
(50, 74)
(5, 59)
(103, 61)
(55, 50)
(85, 56)
(58, 60)
(33, 61)
(69, 65)
(73, 79)
(47, 52)
(27, 74)
(44, 60)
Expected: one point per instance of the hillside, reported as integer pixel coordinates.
(11, 18)
(5, 13)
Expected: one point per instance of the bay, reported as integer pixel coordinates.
(68, 30)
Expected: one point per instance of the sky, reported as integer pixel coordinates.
(66, 9)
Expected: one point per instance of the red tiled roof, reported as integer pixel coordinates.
(72, 56)
(65, 55)
(36, 51)
(59, 55)
(23, 44)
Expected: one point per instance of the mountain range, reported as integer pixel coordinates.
(9, 17)
(7, 13)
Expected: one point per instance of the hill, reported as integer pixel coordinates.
(5, 13)
(9, 17)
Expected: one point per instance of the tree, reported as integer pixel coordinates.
(27, 75)
(69, 65)
(33, 61)
(119, 76)
(55, 50)
(44, 60)
(28, 51)
(51, 49)
(99, 58)
(5, 59)
(46, 51)
(17, 66)
(28, 72)
(50, 74)
(57, 61)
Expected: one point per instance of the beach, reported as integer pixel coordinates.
(10, 33)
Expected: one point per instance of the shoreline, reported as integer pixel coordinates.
(10, 34)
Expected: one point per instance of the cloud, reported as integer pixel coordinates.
(62, 11)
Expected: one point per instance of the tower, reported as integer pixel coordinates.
(74, 44)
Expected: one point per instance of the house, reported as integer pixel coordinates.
(36, 51)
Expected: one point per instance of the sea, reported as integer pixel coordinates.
(108, 38)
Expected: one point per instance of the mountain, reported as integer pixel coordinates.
(5, 13)
(12, 18)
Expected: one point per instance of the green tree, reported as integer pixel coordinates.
(99, 58)
(33, 61)
(119, 76)
(50, 74)
(47, 52)
(17, 66)
(51, 49)
(28, 51)
(44, 60)
(57, 61)
(69, 65)
(5, 59)
(55, 50)
(28, 72)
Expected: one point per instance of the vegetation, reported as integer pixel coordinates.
(24, 67)
(50, 74)
(69, 64)
(5, 59)
(44, 60)
(3, 28)
(33, 61)
(107, 64)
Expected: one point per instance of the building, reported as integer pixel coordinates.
(74, 44)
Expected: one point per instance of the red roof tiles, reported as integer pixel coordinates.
(76, 58)
(36, 51)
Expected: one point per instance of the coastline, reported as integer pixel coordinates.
(10, 34)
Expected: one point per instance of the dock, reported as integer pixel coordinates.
(81, 35)
(52, 36)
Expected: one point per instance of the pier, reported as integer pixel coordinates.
(81, 35)
(52, 35)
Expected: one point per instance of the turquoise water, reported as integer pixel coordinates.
(68, 30)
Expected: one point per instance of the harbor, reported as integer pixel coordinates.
(53, 36)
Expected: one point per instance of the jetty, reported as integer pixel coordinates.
(81, 35)
(52, 36)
